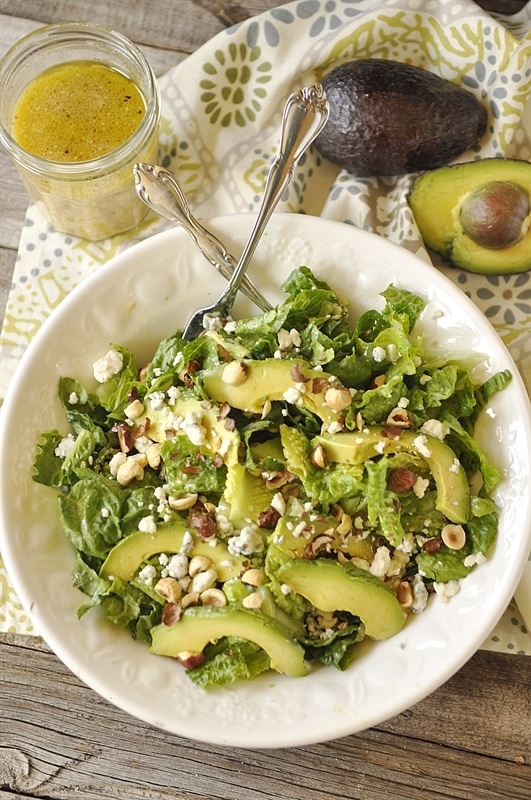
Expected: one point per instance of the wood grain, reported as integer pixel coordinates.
(437, 747)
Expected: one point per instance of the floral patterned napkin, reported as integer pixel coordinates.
(221, 115)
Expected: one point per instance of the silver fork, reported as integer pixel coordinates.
(158, 188)
(304, 116)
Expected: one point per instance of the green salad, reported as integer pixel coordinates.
(276, 491)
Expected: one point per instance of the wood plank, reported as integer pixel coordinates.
(156, 24)
(436, 747)
(468, 741)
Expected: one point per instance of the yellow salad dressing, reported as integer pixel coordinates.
(77, 111)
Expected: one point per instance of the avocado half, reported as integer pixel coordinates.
(438, 200)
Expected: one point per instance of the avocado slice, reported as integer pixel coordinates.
(444, 200)
(200, 625)
(269, 379)
(453, 491)
(331, 586)
(246, 494)
(294, 546)
(129, 554)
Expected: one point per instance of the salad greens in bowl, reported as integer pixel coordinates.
(313, 514)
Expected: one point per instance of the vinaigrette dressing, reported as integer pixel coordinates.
(77, 111)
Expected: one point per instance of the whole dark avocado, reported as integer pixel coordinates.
(390, 118)
(477, 214)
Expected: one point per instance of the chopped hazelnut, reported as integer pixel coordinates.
(404, 594)
(134, 410)
(213, 597)
(131, 470)
(453, 536)
(183, 501)
(153, 455)
(253, 600)
(399, 418)
(318, 456)
(253, 577)
(170, 589)
(338, 398)
(235, 373)
(190, 599)
(198, 564)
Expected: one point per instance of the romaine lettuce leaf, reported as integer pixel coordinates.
(189, 469)
(122, 603)
(382, 511)
(91, 515)
(48, 466)
(229, 660)
(114, 393)
(325, 486)
(336, 648)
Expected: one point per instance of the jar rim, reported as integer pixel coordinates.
(52, 36)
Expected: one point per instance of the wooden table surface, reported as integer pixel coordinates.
(58, 739)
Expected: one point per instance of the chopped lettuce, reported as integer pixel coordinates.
(255, 488)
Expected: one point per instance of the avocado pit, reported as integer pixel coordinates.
(476, 214)
(493, 214)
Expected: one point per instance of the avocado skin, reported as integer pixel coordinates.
(390, 118)
(436, 198)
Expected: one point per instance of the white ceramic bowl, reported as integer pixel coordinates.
(137, 299)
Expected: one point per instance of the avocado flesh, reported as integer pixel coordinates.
(246, 494)
(203, 624)
(294, 546)
(269, 379)
(436, 199)
(453, 491)
(330, 586)
(129, 554)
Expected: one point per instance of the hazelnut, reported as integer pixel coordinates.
(253, 577)
(153, 455)
(190, 599)
(318, 456)
(235, 373)
(134, 410)
(322, 542)
(132, 469)
(170, 589)
(345, 524)
(253, 601)
(183, 501)
(453, 536)
(404, 594)
(399, 418)
(401, 479)
(338, 398)
(190, 659)
(198, 564)
(213, 597)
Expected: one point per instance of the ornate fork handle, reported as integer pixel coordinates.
(305, 114)
(159, 190)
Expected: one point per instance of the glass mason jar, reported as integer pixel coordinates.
(93, 198)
